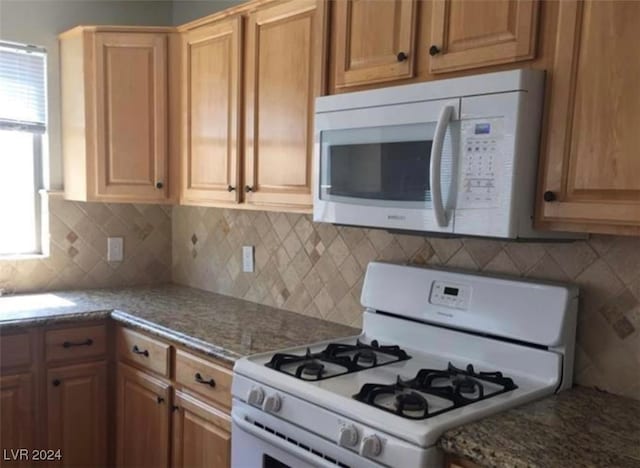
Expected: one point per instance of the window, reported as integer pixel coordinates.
(22, 130)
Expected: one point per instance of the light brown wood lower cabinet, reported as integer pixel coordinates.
(77, 413)
(201, 434)
(143, 412)
(17, 425)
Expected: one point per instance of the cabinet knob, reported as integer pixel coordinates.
(175, 408)
(56, 382)
(402, 56)
(159, 185)
(434, 50)
(248, 188)
(160, 400)
(549, 196)
(230, 188)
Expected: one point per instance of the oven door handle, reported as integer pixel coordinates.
(242, 423)
(435, 169)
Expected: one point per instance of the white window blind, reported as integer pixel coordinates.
(22, 136)
(22, 88)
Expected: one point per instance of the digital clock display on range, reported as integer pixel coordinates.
(449, 291)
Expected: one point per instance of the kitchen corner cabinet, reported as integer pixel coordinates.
(373, 41)
(143, 412)
(170, 401)
(114, 86)
(77, 413)
(285, 56)
(477, 33)
(590, 166)
(211, 87)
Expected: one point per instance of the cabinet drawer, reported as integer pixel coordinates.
(15, 350)
(144, 351)
(204, 377)
(75, 343)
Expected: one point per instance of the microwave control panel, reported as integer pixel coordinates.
(481, 162)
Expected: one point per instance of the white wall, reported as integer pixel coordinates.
(188, 10)
(39, 22)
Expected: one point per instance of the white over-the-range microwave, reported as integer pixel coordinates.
(456, 156)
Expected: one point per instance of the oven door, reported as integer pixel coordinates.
(260, 440)
(390, 166)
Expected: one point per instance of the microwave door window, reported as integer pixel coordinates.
(392, 171)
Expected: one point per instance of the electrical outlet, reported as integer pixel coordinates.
(247, 259)
(115, 249)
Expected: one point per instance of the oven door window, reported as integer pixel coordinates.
(382, 166)
(270, 462)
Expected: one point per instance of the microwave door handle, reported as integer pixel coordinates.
(435, 169)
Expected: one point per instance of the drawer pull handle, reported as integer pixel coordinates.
(56, 382)
(69, 344)
(137, 350)
(160, 400)
(199, 379)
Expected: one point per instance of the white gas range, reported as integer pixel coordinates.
(438, 349)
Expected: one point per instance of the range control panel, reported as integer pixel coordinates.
(455, 296)
(480, 146)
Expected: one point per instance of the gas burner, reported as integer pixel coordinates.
(336, 359)
(312, 369)
(411, 402)
(459, 387)
(366, 357)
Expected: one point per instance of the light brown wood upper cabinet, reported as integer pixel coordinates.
(285, 54)
(591, 166)
(114, 114)
(211, 78)
(77, 413)
(373, 41)
(476, 33)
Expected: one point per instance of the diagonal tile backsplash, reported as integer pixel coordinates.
(317, 270)
(78, 248)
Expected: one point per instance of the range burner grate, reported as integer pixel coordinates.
(458, 386)
(342, 358)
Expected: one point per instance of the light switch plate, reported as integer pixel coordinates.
(115, 249)
(247, 259)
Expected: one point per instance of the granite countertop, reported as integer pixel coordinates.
(220, 326)
(580, 427)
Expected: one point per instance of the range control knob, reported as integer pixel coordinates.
(272, 404)
(371, 446)
(348, 436)
(255, 396)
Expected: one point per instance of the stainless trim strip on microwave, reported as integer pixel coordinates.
(455, 156)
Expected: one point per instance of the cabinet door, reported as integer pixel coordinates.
(131, 116)
(201, 434)
(211, 87)
(142, 419)
(77, 413)
(17, 426)
(476, 33)
(592, 166)
(285, 58)
(374, 41)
